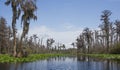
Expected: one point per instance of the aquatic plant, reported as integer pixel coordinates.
(4, 58)
(104, 56)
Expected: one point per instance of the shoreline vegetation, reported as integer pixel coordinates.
(103, 56)
(5, 58)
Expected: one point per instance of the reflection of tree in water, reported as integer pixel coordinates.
(81, 58)
(4, 66)
(107, 65)
(111, 65)
(79, 63)
(59, 58)
(74, 58)
(17, 66)
(88, 63)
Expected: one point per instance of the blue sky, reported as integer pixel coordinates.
(65, 19)
(82, 13)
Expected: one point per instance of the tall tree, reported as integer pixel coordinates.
(106, 25)
(112, 32)
(35, 42)
(49, 42)
(87, 34)
(15, 5)
(9, 39)
(80, 44)
(73, 44)
(117, 30)
(28, 7)
(35, 39)
(3, 35)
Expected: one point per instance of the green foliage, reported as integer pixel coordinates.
(33, 57)
(104, 56)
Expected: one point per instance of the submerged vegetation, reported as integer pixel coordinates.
(32, 57)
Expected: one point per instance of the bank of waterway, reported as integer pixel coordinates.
(33, 57)
(103, 56)
(5, 58)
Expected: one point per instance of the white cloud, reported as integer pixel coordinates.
(65, 37)
(68, 26)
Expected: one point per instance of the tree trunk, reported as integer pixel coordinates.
(107, 44)
(14, 31)
(14, 41)
(20, 53)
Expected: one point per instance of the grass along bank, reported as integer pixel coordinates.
(104, 56)
(4, 58)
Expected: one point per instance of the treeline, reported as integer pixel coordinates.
(33, 44)
(30, 45)
(106, 39)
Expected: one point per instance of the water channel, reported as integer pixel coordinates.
(64, 63)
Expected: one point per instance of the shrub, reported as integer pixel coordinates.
(115, 49)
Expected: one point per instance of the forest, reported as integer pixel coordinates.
(104, 40)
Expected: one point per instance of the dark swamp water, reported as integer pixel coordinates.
(65, 63)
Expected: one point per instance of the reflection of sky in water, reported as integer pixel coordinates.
(64, 63)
